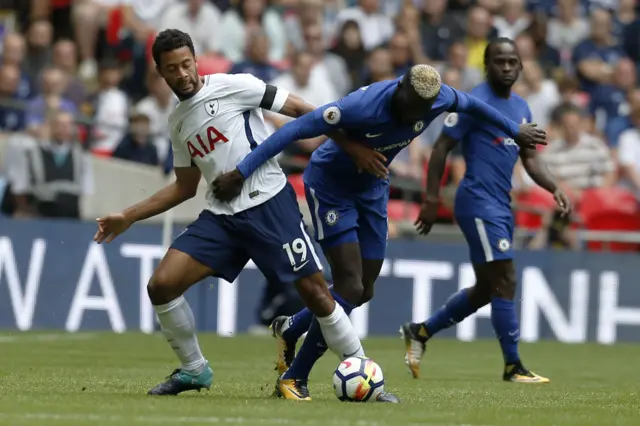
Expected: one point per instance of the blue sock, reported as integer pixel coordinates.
(505, 324)
(457, 308)
(301, 322)
(313, 346)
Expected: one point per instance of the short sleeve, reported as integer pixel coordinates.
(457, 125)
(250, 92)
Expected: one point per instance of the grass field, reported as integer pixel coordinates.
(101, 379)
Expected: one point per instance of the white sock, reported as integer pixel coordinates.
(340, 335)
(179, 328)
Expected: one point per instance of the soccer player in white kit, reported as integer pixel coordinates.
(216, 124)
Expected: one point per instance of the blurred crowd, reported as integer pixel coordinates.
(76, 79)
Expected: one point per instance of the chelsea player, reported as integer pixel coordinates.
(349, 209)
(483, 212)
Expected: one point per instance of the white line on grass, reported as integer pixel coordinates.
(52, 337)
(199, 420)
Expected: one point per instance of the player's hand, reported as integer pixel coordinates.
(228, 186)
(427, 216)
(369, 160)
(109, 227)
(529, 136)
(563, 202)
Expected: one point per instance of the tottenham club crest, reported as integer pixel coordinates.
(418, 126)
(504, 245)
(332, 115)
(331, 217)
(211, 107)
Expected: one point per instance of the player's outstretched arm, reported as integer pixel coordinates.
(364, 156)
(437, 163)
(541, 176)
(184, 188)
(525, 135)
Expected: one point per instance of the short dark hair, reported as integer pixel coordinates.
(169, 40)
(496, 41)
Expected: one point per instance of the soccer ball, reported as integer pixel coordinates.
(358, 379)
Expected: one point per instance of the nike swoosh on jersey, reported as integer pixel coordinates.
(297, 268)
(369, 135)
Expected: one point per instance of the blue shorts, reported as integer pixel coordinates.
(348, 218)
(272, 234)
(489, 239)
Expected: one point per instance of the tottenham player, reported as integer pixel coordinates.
(483, 212)
(349, 208)
(216, 124)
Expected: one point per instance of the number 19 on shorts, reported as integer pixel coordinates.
(297, 253)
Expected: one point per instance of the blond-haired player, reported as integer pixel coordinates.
(349, 208)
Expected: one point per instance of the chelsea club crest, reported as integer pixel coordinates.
(331, 217)
(418, 126)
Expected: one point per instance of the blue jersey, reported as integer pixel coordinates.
(490, 155)
(364, 115)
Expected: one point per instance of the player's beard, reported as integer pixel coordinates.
(186, 92)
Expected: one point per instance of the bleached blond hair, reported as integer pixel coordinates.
(426, 81)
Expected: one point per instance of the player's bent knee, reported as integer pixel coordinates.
(315, 294)
(347, 282)
(162, 288)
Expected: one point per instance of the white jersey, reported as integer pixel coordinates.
(219, 126)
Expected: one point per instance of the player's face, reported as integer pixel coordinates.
(178, 68)
(503, 67)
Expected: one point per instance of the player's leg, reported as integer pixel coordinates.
(200, 251)
(373, 232)
(460, 305)
(332, 216)
(298, 262)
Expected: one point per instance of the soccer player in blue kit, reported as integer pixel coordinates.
(483, 212)
(349, 209)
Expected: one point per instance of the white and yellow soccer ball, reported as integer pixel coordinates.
(358, 379)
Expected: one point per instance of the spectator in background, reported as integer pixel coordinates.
(13, 53)
(65, 59)
(457, 59)
(479, 30)
(578, 160)
(327, 66)
(240, 22)
(309, 12)
(401, 53)
(548, 57)
(157, 107)
(378, 68)
(608, 103)
(53, 84)
(375, 27)
(56, 172)
(513, 20)
(90, 16)
(137, 145)
(439, 29)
(625, 16)
(542, 94)
(596, 57)
(38, 55)
(198, 18)
(12, 115)
(302, 81)
(349, 47)
(110, 108)
(568, 29)
(257, 58)
(629, 152)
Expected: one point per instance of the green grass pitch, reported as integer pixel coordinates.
(102, 379)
